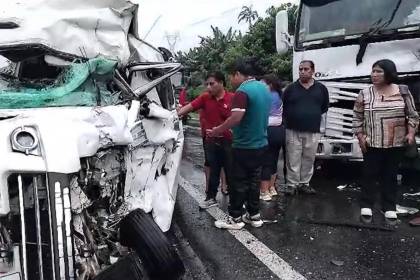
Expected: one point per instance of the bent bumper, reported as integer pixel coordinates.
(339, 149)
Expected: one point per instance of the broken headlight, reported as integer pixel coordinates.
(25, 140)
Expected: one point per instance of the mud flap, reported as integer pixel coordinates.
(140, 232)
(127, 268)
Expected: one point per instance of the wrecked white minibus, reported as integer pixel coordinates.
(90, 144)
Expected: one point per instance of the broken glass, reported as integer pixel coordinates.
(79, 84)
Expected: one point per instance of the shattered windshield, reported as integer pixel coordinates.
(75, 84)
(351, 17)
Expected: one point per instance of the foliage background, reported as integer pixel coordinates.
(220, 49)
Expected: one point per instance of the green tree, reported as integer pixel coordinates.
(248, 15)
(220, 49)
(260, 42)
(207, 57)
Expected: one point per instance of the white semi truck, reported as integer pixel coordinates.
(344, 38)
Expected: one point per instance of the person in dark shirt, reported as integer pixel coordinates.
(304, 103)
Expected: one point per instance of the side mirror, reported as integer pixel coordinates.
(283, 39)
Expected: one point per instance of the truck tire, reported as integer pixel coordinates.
(140, 232)
(127, 268)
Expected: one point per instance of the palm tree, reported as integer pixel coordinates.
(248, 15)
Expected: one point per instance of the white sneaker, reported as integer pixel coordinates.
(208, 203)
(273, 191)
(391, 215)
(366, 212)
(254, 221)
(266, 196)
(230, 223)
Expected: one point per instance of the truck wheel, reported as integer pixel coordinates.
(127, 268)
(140, 232)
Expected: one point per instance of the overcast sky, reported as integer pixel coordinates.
(187, 19)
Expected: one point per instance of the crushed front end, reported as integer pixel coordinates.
(90, 143)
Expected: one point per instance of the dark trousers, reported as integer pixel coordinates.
(246, 178)
(381, 166)
(218, 154)
(276, 141)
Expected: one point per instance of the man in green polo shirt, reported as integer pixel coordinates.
(250, 110)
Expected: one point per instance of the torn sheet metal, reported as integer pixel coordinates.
(112, 123)
(141, 176)
(142, 51)
(99, 27)
(82, 131)
(152, 168)
(159, 131)
(79, 200)
(157, 111)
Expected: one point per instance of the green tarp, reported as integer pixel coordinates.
(74, 87)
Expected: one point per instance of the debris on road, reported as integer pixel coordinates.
(417, 194)
(270, 221)
(349, 187)
(404, 210)
(337, 263)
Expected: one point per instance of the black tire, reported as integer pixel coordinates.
(127, 268)
(140, 232)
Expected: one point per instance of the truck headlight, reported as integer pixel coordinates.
(25, 140)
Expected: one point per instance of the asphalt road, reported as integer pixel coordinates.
(309, 236)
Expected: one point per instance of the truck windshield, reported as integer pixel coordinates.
(352, 17)
(37, 85)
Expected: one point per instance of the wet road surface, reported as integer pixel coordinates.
(320, 236)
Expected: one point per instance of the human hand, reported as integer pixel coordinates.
(212, 132)
(362, 142)
(410, 139)
(178, 110)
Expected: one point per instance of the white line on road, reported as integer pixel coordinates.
(276, 264)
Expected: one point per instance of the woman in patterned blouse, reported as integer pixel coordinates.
(385, 120)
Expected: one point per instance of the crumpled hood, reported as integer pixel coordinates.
(78, 27)
(68, 134)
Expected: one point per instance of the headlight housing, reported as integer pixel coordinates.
(25, 140)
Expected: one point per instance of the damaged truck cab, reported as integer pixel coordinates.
(90, 144)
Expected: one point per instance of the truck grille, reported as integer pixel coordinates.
(339, 123)
(42, 226)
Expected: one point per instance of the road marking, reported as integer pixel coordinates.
(276, 264)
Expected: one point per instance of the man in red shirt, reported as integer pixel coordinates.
(183, 97)
(215, 106)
